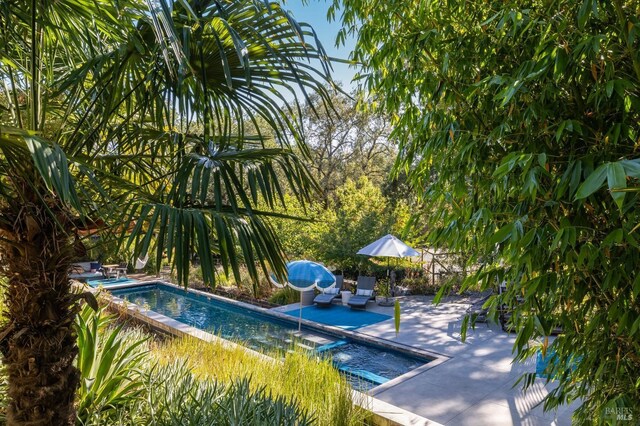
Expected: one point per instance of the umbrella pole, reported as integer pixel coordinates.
(388, 280)
(300, 317)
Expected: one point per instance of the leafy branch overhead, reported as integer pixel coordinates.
(519, 127)
(159, 125)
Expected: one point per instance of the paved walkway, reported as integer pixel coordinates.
(473, 387)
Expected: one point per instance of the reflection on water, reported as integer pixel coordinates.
(217, 318)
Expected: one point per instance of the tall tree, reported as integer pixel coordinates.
(358, 215)
(519, 124)
(346, 143)
(100, 105)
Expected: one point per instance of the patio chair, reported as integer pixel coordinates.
(85, 271)
(328, 294)
(121, 270)
(364, 292)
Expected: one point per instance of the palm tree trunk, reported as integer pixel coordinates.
(39, 342)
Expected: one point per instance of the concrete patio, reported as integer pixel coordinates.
(474, 386)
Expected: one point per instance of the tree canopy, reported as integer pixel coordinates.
(346, 143)
(128, 117)
(350, 157)
(518, 123)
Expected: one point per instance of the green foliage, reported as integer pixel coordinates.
(111, 364)
(315, 385)
(420, 285)
(128, 380)
(244, 286)
(285, 296)
(518, 126)
(177, 397)
(383, 287)
(178, 382)
(396, 316)
(172, 395)
(301, 238)
(358, 216)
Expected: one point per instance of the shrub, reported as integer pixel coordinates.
(110, 363)
(126, 381)
(420, 285)
(382, 287)
(178, 397)
(315, 384)
(285, 296)
(245, 285)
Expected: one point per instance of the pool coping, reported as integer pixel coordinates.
(385, 413)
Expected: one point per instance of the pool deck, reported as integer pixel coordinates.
(475, 385)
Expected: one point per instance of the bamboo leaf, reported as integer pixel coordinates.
(616, 179)
(593, 182)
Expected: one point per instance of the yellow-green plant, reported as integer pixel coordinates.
(314, 383)
(285, 296)
(396, 316)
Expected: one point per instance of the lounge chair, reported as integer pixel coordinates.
(121, 270)
(364, 292)
(328, 294)
(86, 271)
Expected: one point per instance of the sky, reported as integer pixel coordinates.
(314, 13)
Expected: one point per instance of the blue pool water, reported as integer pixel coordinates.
(339, 316)
(108, 282)
(365, 366)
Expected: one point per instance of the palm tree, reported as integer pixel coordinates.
(136, 117)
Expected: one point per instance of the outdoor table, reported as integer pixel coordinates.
(114, 268)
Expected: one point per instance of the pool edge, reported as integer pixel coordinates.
(335, 331)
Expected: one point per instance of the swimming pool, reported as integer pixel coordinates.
(110, 282)
(365, 366)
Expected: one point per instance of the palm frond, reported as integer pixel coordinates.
(146, 115)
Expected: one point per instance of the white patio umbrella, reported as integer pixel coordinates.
(388, 246)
